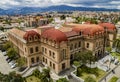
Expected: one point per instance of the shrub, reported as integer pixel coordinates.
(113, 79)
(76, 63)
(79, 71)
(89, 79)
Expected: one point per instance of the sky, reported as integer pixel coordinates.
(111, 4)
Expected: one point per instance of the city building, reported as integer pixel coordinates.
(35, 21)
(56, 48)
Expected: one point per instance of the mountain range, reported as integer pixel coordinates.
(28, 10)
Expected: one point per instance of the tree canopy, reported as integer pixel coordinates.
(85, 57)
(62, 80)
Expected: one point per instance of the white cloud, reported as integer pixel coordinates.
(45, 3)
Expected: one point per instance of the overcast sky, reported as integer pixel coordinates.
(5, 4)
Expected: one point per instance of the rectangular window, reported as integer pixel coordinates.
(79, 44)
(43, 59)
(75, 46)
(45, 50)
(25, 49)
(49, 53)
(53, 55)
(71, 46)
(31, 50)
(50, 64)
(53, 66)
(87, 45)
(36, 49)
(46, 61)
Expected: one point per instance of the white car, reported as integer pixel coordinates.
(13, 66)
(116, 61)
(11, 63)
(5, 53)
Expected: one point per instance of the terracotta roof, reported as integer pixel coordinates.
(54, 34)
(65, 29)
(90, 29)
(71, 33)
(18, 32)
(30, 33)
(109, 26)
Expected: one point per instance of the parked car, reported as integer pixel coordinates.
(4, 53)
(116, 61)
(11, 62)
(13, 66)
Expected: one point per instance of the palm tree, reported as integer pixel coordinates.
(117, 44)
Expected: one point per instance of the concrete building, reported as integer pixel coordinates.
(56, 48)
(35, 21)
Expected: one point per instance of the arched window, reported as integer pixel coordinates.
(30, 38)
(80, 33)
(35, 37)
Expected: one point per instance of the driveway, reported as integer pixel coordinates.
(4, 66)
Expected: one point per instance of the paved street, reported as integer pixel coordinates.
(117, 73)
(4, 66)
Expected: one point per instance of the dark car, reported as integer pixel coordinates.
(9, 60)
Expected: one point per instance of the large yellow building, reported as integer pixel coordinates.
(56, 48)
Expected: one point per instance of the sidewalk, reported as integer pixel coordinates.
(111, 74)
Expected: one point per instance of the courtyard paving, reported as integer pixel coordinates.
(4, 66)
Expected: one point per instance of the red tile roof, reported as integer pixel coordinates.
(30, 33)
(109, 26)
(54, 34)
(71, 33)
(90, 29)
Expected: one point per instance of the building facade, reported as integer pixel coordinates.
(56, 48)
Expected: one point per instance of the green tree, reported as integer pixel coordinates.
(46, 75)
(117, 44)
(21, 62)
(85, 57)
(1, 28)
(89, 79)
(14, 77)
(62, 80)
(50, 20)
(11, 77)
(46, 72)
(108, 49)
(7, 45)
(62, 17)
(11, 53)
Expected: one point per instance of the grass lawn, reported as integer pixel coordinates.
(32, 79)
(113, 79)
(93, 72)
(115, 54)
